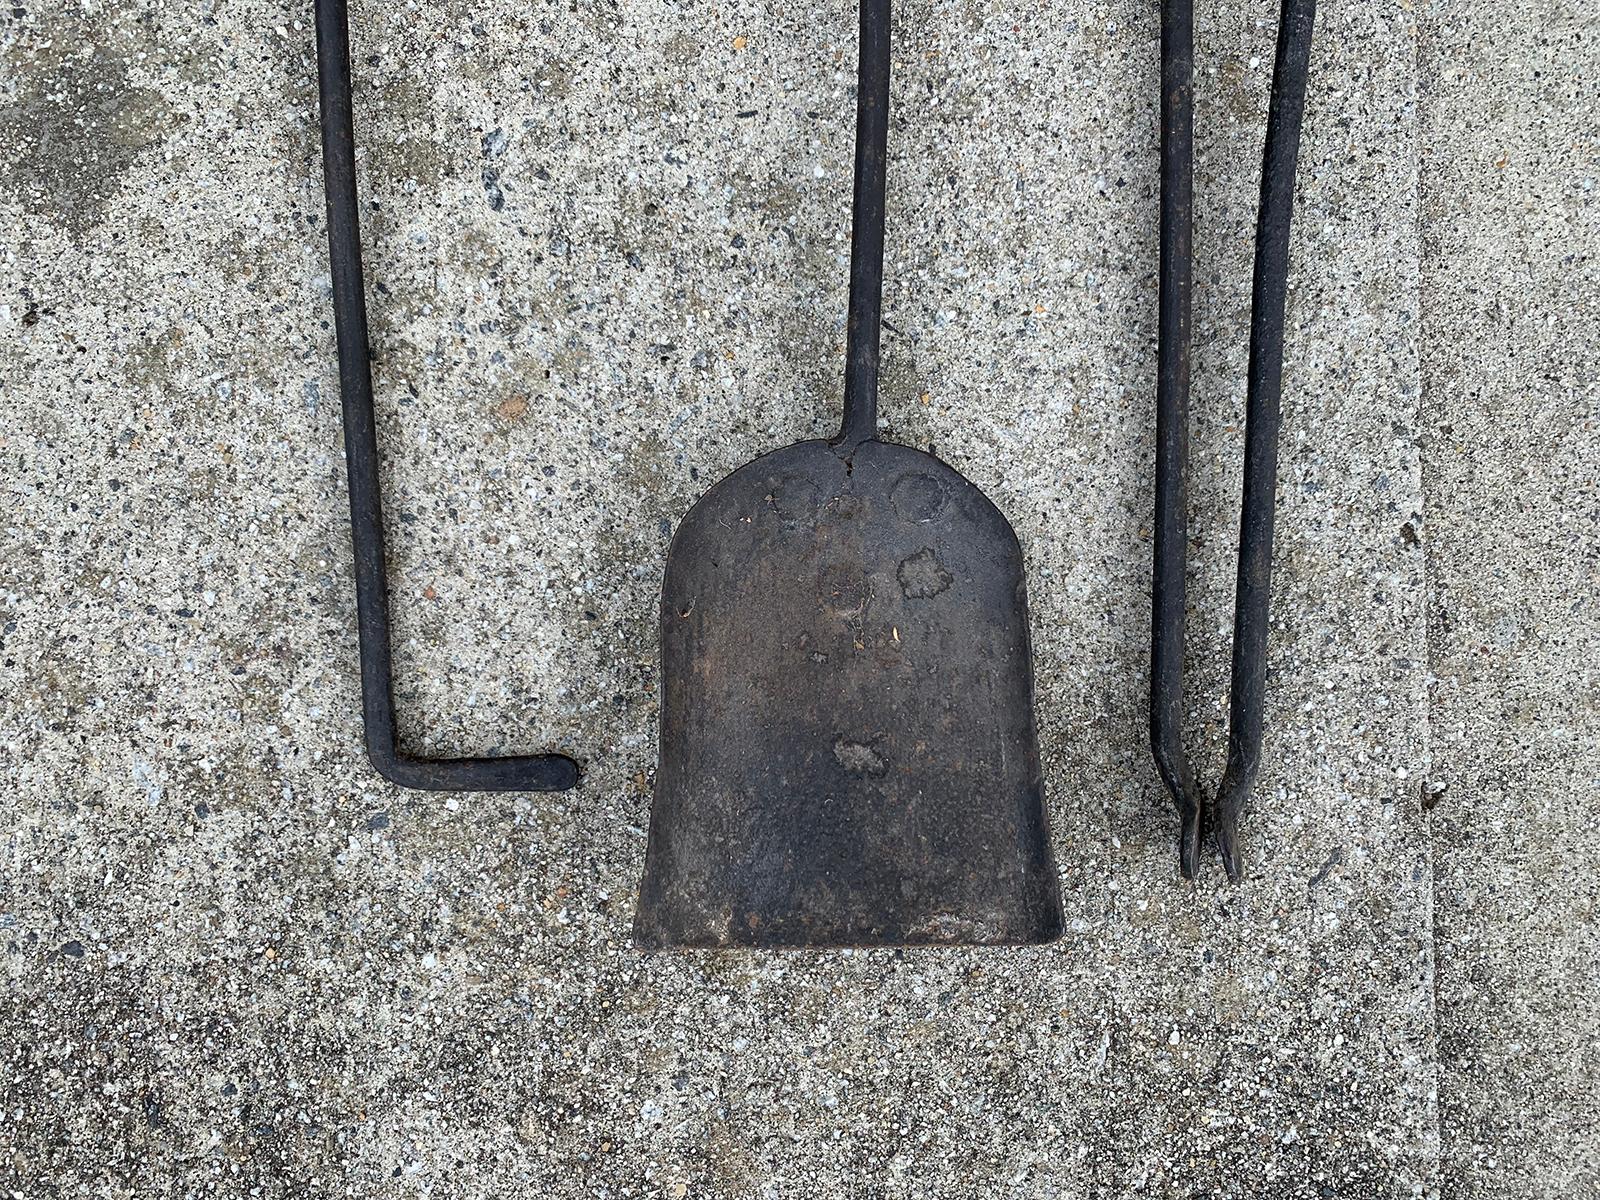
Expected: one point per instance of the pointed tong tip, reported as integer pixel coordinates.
(1189, 843)
(1228, 848)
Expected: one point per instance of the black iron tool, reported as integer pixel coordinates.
(536, 772)
(848, 754)
(1263, 392)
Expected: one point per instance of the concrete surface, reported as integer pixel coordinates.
(1511, 387)
(606, 248)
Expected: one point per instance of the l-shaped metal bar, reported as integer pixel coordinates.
(532, 772)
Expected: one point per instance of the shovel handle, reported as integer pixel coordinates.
(1253, 587)
(864, 332)
(536, 772)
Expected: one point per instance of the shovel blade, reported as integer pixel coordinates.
(848, 751)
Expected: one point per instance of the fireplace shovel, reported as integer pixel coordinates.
(848, 754)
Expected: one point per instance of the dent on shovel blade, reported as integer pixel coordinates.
(848, 751)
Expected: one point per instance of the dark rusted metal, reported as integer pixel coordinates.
(1172, 425)
(1252, 598)
(537, 772)
(848, 754)
(848, 750)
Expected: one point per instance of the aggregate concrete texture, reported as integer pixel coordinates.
(606, 250)
(1511, 385)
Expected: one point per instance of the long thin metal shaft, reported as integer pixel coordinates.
(862, 337)
(1168, 599)
(1252, 599)
(539, 772)
(1253, 594)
